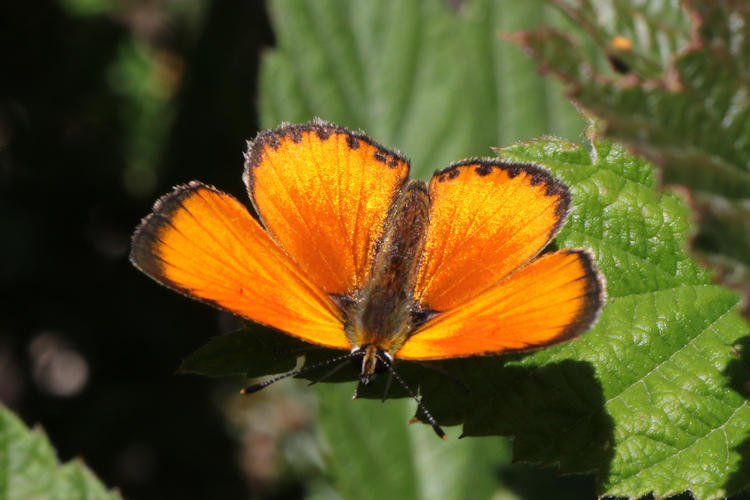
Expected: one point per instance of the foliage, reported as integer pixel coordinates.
(419, 76)
(662, 348)
(680, 98)
(29, 467)
(642, 399)
(652, 398)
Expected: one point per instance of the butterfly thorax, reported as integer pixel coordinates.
(382, 313)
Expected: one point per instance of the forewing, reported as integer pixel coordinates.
(323, 193)
(206, 245)
(487, 219)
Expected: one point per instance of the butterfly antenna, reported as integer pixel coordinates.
(262, 385)
(359, 380)
(430, 419)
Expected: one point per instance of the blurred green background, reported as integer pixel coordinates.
(106, 104)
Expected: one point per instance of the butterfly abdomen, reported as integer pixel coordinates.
(383, 315)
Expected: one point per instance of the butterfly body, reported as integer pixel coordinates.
(348, 253)
(384, 309)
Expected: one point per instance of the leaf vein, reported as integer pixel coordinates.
(663, 362)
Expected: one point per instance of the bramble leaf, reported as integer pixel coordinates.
(431, 80)
(654, 397)
(642, 399)
(681, 99)
(660, 351)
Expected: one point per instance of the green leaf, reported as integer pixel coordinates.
(660, 351)
(683, 102)
(656, 30)
(29, 468)
(652, 398)
(371, 442)
(642, 399)
(423, 77)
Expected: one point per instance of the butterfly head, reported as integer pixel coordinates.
(370, 360)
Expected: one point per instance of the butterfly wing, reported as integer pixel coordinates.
(323, 193)
(556, 297)
(486, 219)
(205, 244)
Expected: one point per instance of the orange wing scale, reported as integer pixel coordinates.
(554, 298)
(486, 220)
(206, 245)
(323, 193)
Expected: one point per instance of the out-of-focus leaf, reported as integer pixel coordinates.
(682, 101)
(655, 30)
(723, 241)
(29, 468)
(385, 458)
(423, 77)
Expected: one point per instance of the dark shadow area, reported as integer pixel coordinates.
(555, 413)
(738, 371)
(531, 482)
(68, 205)
(76, 176)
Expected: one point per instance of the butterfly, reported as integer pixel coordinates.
(348, 252)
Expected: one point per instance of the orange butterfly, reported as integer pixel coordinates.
(350, 253)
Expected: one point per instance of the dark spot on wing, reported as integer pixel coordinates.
(447, 174)
(483, 169)
(422, 315)
(296, 135)
(537, 177)
(323, 133)
(385, 156)
(273, 139)
(352, 142)
(513, 170)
